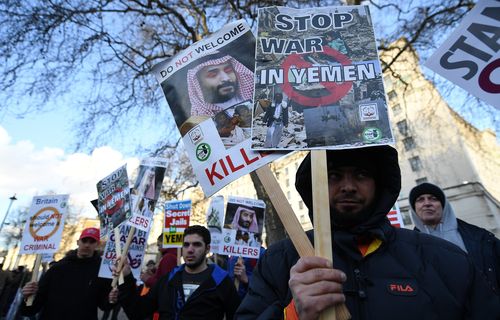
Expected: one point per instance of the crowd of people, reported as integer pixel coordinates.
(444, 269)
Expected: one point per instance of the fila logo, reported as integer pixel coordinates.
(402, 288)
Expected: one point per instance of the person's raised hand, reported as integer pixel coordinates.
(315, 286)
(125, 268)
(113, 296)
(29, 289)
(240, 271)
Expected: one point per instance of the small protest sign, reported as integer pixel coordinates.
(146, 192)
(177, 214)
(470, 57)
(43, 230)
(113, 200)
(243, 224)
(215, 220)
(209, 89)
(135, 254)
(318, 80)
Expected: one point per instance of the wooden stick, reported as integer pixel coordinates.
(285, 212)
(322, 227)
(291, 223)
(124, 254)
(118, 250)
(34, 277)
(179, 255)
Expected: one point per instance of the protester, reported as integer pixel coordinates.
(217, 83)
(70, 289)
(276, 117)
(4, 279)
(433, 214)
(17, 278)
(194, 290)
(167, 263)
(380, 272)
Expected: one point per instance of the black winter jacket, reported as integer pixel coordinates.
(70, 289)
(214, 299)
(484, 250)
(410, 276)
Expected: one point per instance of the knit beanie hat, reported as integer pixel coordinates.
(426, 188)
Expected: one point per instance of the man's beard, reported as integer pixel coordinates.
(245, 224)
(220, 98)
(350, 219)
(195, 264)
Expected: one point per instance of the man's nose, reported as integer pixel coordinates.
(224, 76)
(347, 184)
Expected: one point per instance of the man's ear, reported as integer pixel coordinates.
(208, 249)
(78, 242)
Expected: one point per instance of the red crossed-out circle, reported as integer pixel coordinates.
(118, 204)
(337, 90)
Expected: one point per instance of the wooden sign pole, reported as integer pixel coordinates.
(34, 277)
(124, 254)
(118, 250)
(285, 212)
(290, 221)
(322, 226)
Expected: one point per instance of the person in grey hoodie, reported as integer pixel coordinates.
(433, 214)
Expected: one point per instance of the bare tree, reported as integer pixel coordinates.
(100, 54)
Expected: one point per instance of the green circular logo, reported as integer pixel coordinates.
(203, 151)
(372, 134)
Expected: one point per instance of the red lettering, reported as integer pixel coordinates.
(223, 165)
(231, 165)
(211, 174)
(245, 157)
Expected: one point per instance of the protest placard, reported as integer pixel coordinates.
(470, 57)
(177, 213)
(318, 80)
(113, 200)
(243, 224)
(146, 192)
(135, 253)
(215, 220)
(209, 88)
(43, 230)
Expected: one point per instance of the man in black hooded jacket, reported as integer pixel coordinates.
(379, 272)
(71, 289)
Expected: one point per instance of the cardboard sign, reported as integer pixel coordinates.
(243, 224)
(215, 220)
(209, 88)
(318, 80)
(177, 215)
(470, 57)
(146, 191)
(135, 253)
(113, 200)
(43, 230)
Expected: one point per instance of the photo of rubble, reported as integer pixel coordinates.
(328, 81)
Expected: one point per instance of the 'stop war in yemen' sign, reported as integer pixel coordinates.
(318, 81)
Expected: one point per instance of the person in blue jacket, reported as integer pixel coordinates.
(193, 290)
